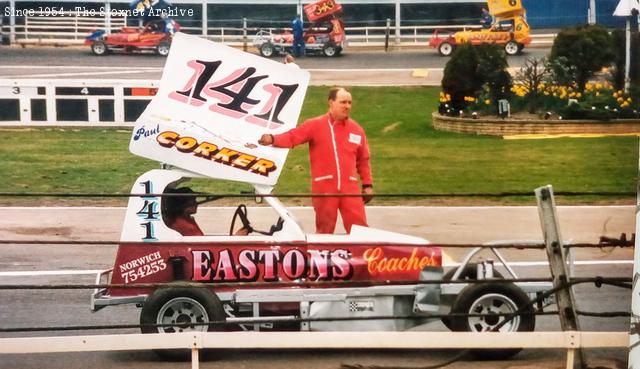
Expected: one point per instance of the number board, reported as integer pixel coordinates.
(213, 104)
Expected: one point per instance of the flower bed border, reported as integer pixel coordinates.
(510, 127)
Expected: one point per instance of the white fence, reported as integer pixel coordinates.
(34, 102)
(571, 341)
(72, 27)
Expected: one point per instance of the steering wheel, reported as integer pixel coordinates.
(241, 211)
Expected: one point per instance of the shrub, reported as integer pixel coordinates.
(579, 52)
(473, 76)
(460, 78)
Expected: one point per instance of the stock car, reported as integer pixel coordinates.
(155, 36)
(203, 127)
(286, 279)
(326, 38)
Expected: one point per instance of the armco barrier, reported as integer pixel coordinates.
(32, 102)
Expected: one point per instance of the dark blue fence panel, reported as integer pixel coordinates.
(566, 13)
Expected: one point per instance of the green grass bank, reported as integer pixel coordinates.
(408, 156)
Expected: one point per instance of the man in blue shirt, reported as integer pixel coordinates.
(298, 39)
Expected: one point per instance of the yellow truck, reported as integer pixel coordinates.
(510, 29)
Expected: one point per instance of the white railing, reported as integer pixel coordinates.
(195, 341)
(98, 102)
(72, 28)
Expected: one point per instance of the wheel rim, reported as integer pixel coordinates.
(163, 50)
(329, 51)
(267, 50)
(99, 48)
(183, 312)
(445, 49)
(493, 306)
(511, 48)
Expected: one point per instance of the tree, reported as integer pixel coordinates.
(581, 51)
(473, 68)
(460, 77)
(492, 67)
(531, 75)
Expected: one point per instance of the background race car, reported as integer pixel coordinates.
(155, 36)
(324, 36)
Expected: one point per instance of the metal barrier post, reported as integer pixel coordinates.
(634, 334)
(558, 266)
(205, 19)
(195, 358)
(386, 35)
(244, 34)
(398, 22)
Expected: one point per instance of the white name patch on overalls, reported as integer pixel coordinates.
(356, 139)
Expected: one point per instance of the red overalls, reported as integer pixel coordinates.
(186, 226)
(338, 152)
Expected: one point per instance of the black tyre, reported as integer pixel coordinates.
(445, 49)
(184, 307)
(330, 49)
(492, 299)
(511, 48)
(99, 48)
(267, 50)
(469, 273)
(163, 48)
(338, 51)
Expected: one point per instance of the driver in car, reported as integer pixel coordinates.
(179, 211)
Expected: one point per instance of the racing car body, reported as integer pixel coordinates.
(202, 125)
(155, 36)
(510, 30)
(325, 36)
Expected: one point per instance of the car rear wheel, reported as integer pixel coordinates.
(180, 309)
(445, 48)
(267, 50)
(163, 48)
(330, 49)
(99, 48)
(511, 48)
(493, 301)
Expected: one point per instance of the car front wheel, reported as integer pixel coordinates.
(445, 49)
(99, 48)
(180, 309)
(511, 48)
(163, 48)
(267, 50)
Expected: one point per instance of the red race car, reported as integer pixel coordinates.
(155, 36)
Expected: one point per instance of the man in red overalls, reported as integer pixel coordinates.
(338, 152)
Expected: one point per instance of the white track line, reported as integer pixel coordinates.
(545, 263)
(75, 74)
(74, 208)
(39, 273)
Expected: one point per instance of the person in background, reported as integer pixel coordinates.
(298, 39)
(339, 153)
(290, 61)
(486, 18)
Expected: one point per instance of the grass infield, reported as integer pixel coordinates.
(408, 156)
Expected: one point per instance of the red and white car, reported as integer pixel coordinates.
(203, 122)
(155, 36)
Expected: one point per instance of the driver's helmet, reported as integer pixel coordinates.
(174, 205)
